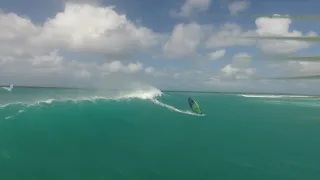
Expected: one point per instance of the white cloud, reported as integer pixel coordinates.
(309, 68)
(82, 74)
(184, 40)
(230, 34)
(82, 27)
(54, 67)
(239, 68)
(15, 35)
(231, 71)
(5, 60)
(157, 73)
(296, 68)
(191, 7)
(241, 59)
(279, 27)
(36, 65)
(46, 61)
(24, 70)
(238, 6)
(217, 54)
(150, 70)
(34, 50)
(117, 66)
(43, 53)
(79, 28)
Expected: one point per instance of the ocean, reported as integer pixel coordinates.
(148, 134)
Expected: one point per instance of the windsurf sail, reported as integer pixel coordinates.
(194, 106)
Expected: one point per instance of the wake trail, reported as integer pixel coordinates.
(175, 109)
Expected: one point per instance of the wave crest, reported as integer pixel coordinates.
(8, 88)
(143, 94)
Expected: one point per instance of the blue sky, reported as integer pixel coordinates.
(171, 49)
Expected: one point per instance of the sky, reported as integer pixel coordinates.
(211, 45)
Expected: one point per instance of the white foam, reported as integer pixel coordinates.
(9, 104)
(296, 103)
(8, 88)
(273, 96)
(141, 94)
(297, 100)
(9, 117)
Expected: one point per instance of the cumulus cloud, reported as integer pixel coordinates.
(184, 40)
(117, 66)
(238, 6)
(36, 50)
(275, 26)
(38, 70)
(191, 7)
(154, 72)
(82, 27)
(45, 53)
(53, 67)
(230, 34)
(50, 62)
(79, 28)
(296, 68)
(217, 54)
(238, 68)
(16, 34)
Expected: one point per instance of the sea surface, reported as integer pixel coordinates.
(148, 134)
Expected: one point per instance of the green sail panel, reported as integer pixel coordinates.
(194, 106)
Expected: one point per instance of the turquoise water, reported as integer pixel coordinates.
(51, 134)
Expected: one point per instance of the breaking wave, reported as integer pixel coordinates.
(8, 88)
(149, 93)
(121, 95)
